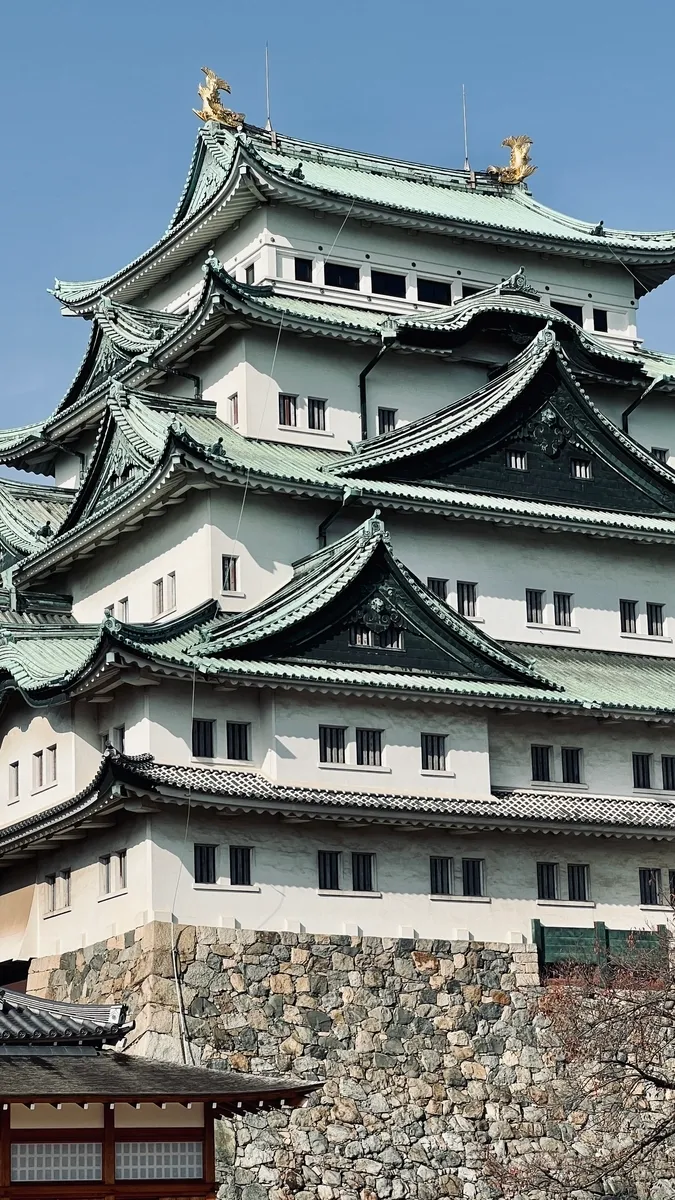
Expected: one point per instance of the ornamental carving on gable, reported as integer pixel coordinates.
(378, 612)
(546, 432)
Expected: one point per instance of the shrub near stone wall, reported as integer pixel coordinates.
(428, 1050)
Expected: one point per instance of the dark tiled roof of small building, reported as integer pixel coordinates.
(30, 1020)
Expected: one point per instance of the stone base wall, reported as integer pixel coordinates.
(431, 1052)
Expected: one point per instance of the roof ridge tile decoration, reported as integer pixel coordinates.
(31, 1020)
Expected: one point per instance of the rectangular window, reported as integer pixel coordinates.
(340, 275)
(469, 290)
(600, 320)
(650, 885)
(581, 468)
(113, 873)
(642, 770)
(571, 764)
(303, 270)
(238, 741)
(233, 404)
(438, 586)
(288, 409)
(250, 274)
(668, 772)
(171, 591)
(578, 875)
(547, 881)
(383, 639)
(660, 453)
(329, 870)
(671, 888)
(360, 635)
(316, 413)
(117, 737)
(56, 1162)
(473, 874)
(240, 866)
(50, 893)
(123, 609)
(386, 420)
(362, 873)
(433, 752)
(466, 598)
(50, 764)
(331, 744)
(440, 871)
(655, 620)
(203, 738)
(158, 597)
(159, 1160)
(38, 770)
(386, 284)
(62, 889)
(13, 780)
(516, 460)
(534, 602)
(369, 747)
(541, 763)
(205, 863)
(434, 291)
(628, 615)
(562, 608)
(573, 312)
(109, 610)
(230, 581)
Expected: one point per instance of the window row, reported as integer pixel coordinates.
(580, 468)
(237, 739)
(112, 881)
(571, 767)
(369, 747)
(63, 1161)
(43, 772)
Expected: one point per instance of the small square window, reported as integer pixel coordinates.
(655, 620)
(362, 873)
(340, 275)
(316, 413)
(123, 609)
(250, 274)
(573, 312)
(433, 751)
(233, 405)
(467, 595)
(600, 320)
(158, 597)
(369, 747)
(650, 885)
(203, 738)
(329, 870)
(205, 863)
(534, 602)
(434, 291)
(238, 738)
(571, 764)
(562, 609)
(440, 871)
(303, 270)
(171, 591)
(438, 586)
(384, 283)
(628, 615)
(547, 881)
(660, 453)
(331, 744)
(240, 866)
(473, 877)
(386, 420)
(581, 468)
(516, 460)
(578, 887)
(668, 772)
(642, 770)
(541, 763)
(230, 573)
(288, 409)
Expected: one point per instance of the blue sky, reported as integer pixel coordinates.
(97, 125)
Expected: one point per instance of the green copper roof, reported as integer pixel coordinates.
(30, 514)
(607, 678)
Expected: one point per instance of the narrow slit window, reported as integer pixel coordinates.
(438, 586)
(230, 581)
(13, 780)
(571, 764)
(38, 770)
(534, 603)
(205, 863)
(316, 413)
(562, 609)
(433, 752)
(303, 270)
(578, 882)
(655, 620)
(240, 866)
(238, 741)
(642, 770)
(628, 615)
(473, 877)
(118, 737)
(668, 772)
(158, 597)
(440, 872)
(650, 885)
(250, 274)
(541, 763)
(547, 881)
(386, 420)
(123, 609)
(329, 870)
(516, 460)
(50, 765)
(362, 873)
(233, 402)
(369, 747)
(331, 744)
(203, 738)
(288, 409)
(171, 591)
(467, 597)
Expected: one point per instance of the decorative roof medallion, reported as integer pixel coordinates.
(212, 109)
(519, 167)
(378, 613)
(546, 432)
(517, 283)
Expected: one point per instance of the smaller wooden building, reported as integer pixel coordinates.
(79, 1119)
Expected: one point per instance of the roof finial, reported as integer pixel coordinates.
(212, 108)
(519, 167)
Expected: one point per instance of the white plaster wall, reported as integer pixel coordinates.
(23, 732)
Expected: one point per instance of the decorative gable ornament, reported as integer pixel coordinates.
(519, 167)
(546, 432)
(378, 613)
(212, 107)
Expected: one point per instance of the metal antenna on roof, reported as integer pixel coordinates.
(467, 164)
(268, 123)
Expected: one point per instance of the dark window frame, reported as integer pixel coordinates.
(368, 747)
(668, 772)
(642, 771)
(288, 410)
(386, 421)
(571, 763)
(205, 868)
(302, 268)
(467, 599)
(434, 751)
(651, 886)
(438, 587)
(541, 758)
(513, 455)
(628, 615)
(600, 323)
(388, 283)
(238, 739)
(241, 866)
(548, 881)
(578, 882)
(335, 274)
(563, 605)
(229, 573)
(203, 737)
(656, 619)
(429, 291)
(317, 408)
(473, 877)
(440, 875)
(363, 871)
(535, 604)
(328, 870)
(332, 743)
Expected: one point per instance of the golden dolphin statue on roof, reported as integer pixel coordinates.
(212, 109)
(519, 167)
